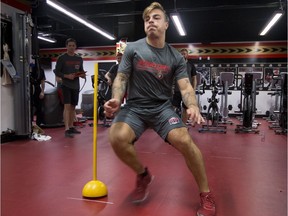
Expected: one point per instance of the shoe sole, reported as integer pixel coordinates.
(146, 195)
(69, 135)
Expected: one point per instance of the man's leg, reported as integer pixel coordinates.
(72, 114)
(67, 117)
(181, 140)
(121, 137)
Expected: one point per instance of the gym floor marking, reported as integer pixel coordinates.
(230, 158)
(88, 200)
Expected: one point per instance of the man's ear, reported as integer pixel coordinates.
(167, 25)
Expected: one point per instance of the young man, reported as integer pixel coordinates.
(111, 74)
(149, 67)
(69, 68)
(37, 80)
(177, 98)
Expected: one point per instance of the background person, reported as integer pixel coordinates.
(177, 97)
(69, 67)
(111, 74)
(37, 80)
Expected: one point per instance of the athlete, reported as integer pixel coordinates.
(149, 67)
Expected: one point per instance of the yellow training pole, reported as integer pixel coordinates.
(95, 188)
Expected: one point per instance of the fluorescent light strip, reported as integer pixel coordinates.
(273, 20)
(178, 23)
(77, 17)
(51, 40)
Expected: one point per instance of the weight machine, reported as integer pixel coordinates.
(248, 109)
(226, 79)
(273, 113)
(198, 91)
(283, 106)
(104, 93)
(19, 71)
(213, 115)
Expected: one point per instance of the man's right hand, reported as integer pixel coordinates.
(111, 107)
(109, 81)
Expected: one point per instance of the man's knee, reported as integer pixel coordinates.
(180, 139)
(120, 134)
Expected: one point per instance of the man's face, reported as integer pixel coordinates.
(71, 47)
(155, 23)
(118, 58)
(184, 54)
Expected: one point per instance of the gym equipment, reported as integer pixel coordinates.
(87, 104)
(273, 113)
(248, 108)
(104, 94)
(283, 106)
(94, 188)
(198, 91)
(226, 79)
(53, 109)
(213, 114)
(21, 88)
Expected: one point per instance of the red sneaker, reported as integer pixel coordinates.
(141, 193)
(207, 205)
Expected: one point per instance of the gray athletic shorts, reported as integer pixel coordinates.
(161, 118)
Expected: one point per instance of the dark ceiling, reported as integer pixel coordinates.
(205, 21)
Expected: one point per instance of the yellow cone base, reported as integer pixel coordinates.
(94, 189)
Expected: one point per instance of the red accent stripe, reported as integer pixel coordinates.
(245, 56)
(108, 58)
(18, 5)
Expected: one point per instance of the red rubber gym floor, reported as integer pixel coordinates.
(247, 172)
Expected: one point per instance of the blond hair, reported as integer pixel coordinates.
(153, 6)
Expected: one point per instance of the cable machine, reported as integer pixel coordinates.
(22, 45)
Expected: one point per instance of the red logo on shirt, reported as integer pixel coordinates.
(158, 70)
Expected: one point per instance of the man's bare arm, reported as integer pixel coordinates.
(119, 86)
(194, 82)
(187, 92)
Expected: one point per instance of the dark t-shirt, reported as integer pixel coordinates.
(191, 70)
(113, 72)
(67, 64)
(36, 76)
(151, 72)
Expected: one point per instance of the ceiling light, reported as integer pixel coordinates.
(178, 23)
(51, 40)
(275, 17)
(58, 6)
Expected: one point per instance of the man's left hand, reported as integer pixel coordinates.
(41, 96)
(194, 115)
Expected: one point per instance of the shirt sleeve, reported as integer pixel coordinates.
(58, 69)
(181, 69)
(126, 63)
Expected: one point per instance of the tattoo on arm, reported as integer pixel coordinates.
(119, 86)
(188, 95)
